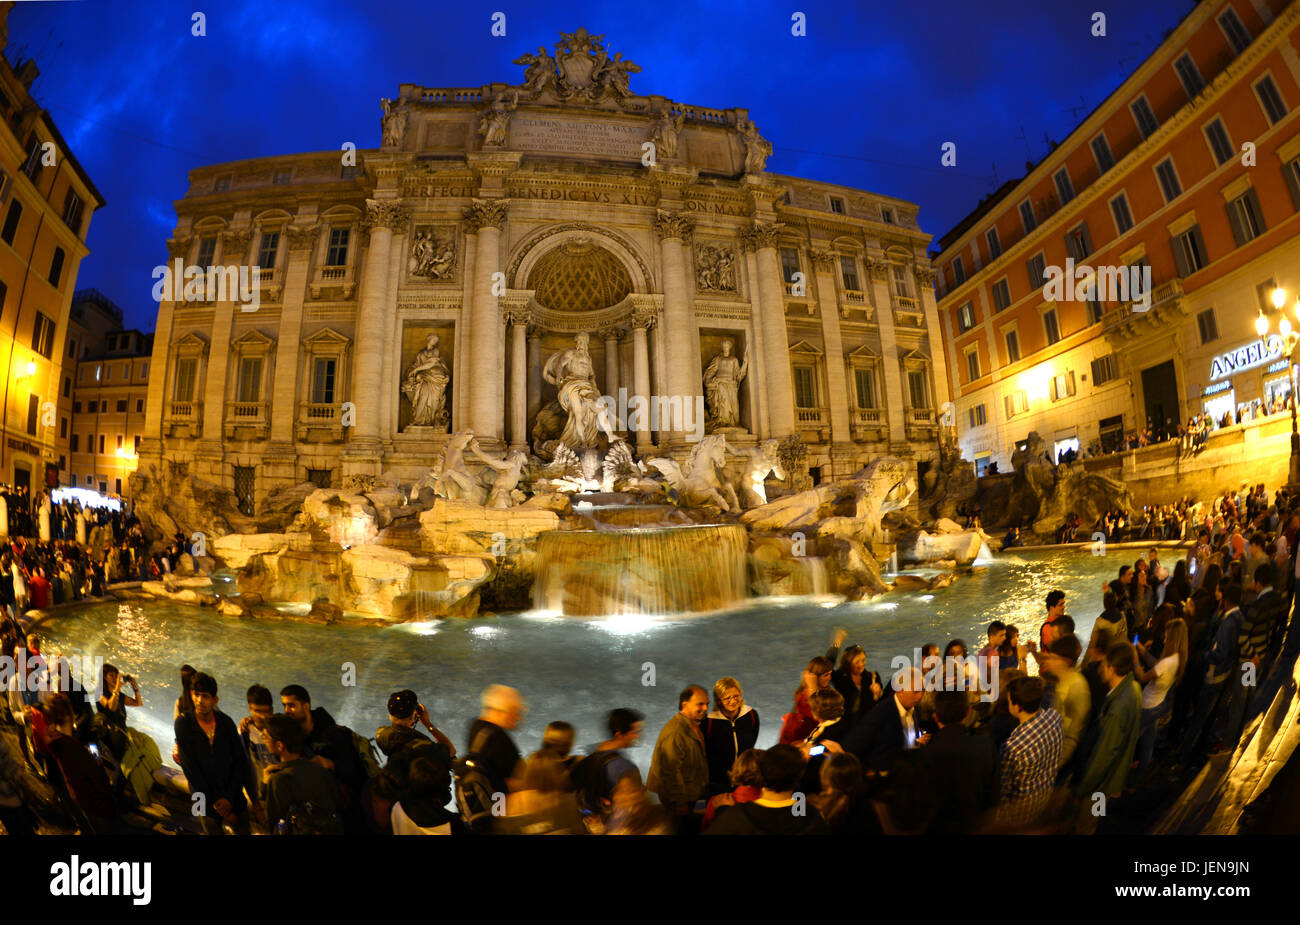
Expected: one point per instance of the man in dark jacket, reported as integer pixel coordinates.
(330, 744)
(489, 736)
(403, 743)
(963, 766)
(300, 793)
(1220, 662)
(889, 729)
(213, 760)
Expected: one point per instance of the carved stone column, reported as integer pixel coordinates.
(828, 302)
(534, 373)
(157, 399)
(518, 321)
(641, 377)
(611, 363)
(680, 332)
(284, 392)
(778, 379)
(925, 277)
(381, 219)
(485, 219)
(233, 248)
(882, 292)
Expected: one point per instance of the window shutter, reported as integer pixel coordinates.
(1180, 258)
(1234, 219)
(1253, 198)
(1087, 239)
(1195, 232)
(1069, 383)
(1289, 171)
(1006, 401)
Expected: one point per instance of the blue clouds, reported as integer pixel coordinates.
(881, 85)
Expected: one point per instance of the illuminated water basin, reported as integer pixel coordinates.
(567, 668)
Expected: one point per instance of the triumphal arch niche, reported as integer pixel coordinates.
(427, 289)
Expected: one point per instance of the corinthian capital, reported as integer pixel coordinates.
(486, 213)
(877, 267)
(925, 275)
(179, 247)
(301, 238)
(384, 214)
(823, 260)
(672, 225)
(234, 244)
(762, 234)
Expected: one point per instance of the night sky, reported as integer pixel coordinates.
(865, 99)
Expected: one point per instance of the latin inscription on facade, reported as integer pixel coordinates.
(601, 139)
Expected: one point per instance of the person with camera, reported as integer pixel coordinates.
(111, 708)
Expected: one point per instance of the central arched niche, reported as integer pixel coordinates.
(578, 275)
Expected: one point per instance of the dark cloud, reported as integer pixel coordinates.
(865, 99)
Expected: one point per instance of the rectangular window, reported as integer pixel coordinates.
(244, 481)
(1144, 117)
(1189, 75)
(144, 370)
(1034, 267)
(186, 371)
(1095, 311)
(282, 177)
(1235, 30)
(136, 448)
(139, 406)
(805, 392)
(1208, 326)
(32, 165)
(1189, 251)
(972, 365)
(1168, 177)
(978, 416)
(1078, 243)
(108, 372)
(1101, 151)
(43, 335)
(126, 372)
(267, 251)
(1027, 216)
(72, 349)
(72, 206)
(119, 441)
(1062, 385)
(12, 218)
(866, 386)
(250, 379)
(918, 388)
(1064, 188)
(837, 205)
(900, 281)
(221, 184)
(322, 385)
(966, 317)
(207, 251)
(994, 242)
(63, 428)
(1001, 295)
(849, 273)
(67, 386)
(93, 407)
(76, 407)
(789, 263)
(76, 443)
(887, 215)
(1217, 136)
(1120, 212)
(1245, 217)
(101, 444)
(1271, 100)
(958, 271)
(1015, 403)
(1012, 339)
(1051, 326)
(121, 405)
(33, 412)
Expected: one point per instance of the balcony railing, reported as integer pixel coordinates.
(248, 410)
(868, 417)
(266, 276)
(183, 410)
(319, 422)
(814, 417)
(319, 413)
(333, 277)
(333, 273)
(922, 416)
(854, 295)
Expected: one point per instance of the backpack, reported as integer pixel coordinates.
(366, 752)
(474, 793)
(588, 778)
(310, 819)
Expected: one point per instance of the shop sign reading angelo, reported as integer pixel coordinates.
(1247, 357)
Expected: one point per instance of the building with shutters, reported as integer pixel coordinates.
(1191, 168)
(504, 221)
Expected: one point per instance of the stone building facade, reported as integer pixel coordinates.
(505, 221)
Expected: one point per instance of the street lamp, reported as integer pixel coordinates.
(1289, 339)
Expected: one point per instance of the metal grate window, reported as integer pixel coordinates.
(244, 488)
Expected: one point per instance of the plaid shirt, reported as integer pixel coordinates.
(1028, 767)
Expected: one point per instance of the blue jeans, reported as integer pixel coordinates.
(1146, 744)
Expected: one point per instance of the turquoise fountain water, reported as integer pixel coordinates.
(567, 668)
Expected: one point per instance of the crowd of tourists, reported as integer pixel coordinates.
(1192, 436)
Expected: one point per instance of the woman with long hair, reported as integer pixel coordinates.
(185, 702)
(841, 789)
(796, 725)
(1158, 677)
(860, 688)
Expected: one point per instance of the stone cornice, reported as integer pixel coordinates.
(486, 213)
(669, 225)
